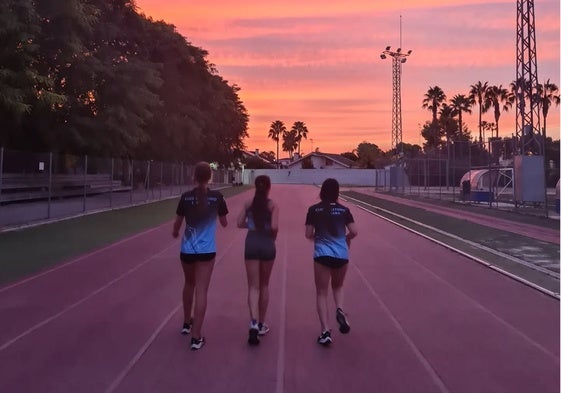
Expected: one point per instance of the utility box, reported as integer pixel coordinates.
(529, 179)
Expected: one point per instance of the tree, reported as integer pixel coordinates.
(447, 122)
(268, 155)
(486, 126)
(477, 94)
(434, 98)
(368, 154)
(289, 141)
(547, 95)
(409, 150)
(277, 129)
(433, 133)
(460, 104)
(350, 155)
(301, 132)
(500, 99)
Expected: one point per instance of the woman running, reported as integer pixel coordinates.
(260, 217)
(327, 223)
(200, 208)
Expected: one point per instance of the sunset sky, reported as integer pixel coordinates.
(318, 61)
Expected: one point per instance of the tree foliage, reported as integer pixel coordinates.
(97, 77)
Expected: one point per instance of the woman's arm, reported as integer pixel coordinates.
(352, 232)
(176, 226)
(310, 232)
(274, 220)
(223, 221)
(242, 217)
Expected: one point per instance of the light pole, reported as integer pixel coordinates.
(398, 58)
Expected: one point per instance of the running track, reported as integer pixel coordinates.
(423, 318)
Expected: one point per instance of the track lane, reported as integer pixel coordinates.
(423, 319)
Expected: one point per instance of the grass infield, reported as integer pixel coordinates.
(30, 250)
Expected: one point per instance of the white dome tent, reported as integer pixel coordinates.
(497, 180)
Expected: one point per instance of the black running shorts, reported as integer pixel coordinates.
(192, 258)
(331, 262)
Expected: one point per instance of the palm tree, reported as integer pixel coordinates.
(546, 95)
(289, 141)
(434, 98)
(277, 129)
(301, 132)
(477, 94)
(501, 100)
(460, 104)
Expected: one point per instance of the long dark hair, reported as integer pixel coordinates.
(260, 205)
(202, 175)
(329, 191)
(329, 194)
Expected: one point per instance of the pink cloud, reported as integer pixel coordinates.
(318, 61)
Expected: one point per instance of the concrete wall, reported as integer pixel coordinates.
(355, 177)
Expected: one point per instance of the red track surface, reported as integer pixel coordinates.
(424, 319)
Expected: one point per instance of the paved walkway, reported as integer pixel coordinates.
(521, 228)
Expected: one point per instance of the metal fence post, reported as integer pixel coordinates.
(85, 183)
(1, 171)
(131, 178)
(161, 177)
(111, 183)
(50, 184)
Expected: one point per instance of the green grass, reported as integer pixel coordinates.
(30, 250)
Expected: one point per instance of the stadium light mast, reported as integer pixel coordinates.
(527, 106)
(399, 57)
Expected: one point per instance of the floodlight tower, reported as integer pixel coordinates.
(527, 105)
(398, 58)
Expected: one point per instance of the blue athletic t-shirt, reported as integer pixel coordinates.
(329, 221)
(200, 221)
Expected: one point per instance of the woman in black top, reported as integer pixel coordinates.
(199, 208)
(331, 226)
(260, 217)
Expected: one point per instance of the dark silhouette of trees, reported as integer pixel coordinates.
(97, 77)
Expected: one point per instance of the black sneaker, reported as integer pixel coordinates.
(263, 329)
(197, 343)
(253, 336)
(325, 338)
(342, 321)
(186, 329)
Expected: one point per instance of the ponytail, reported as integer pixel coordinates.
(260, 205)
(202, 176)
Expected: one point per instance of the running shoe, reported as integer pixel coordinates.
(186, 329)
(325, 338)
(197, 343)
(253, 338)
(342, 321)
(263, 329)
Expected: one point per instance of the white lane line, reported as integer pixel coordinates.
(424, 361)
(115, 384)
(85, 299)
(473, 244)
(136, 358)
(467, 255)
(466, 296)
(80, 258)
(282, 324)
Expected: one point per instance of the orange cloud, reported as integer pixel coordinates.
(318, 61)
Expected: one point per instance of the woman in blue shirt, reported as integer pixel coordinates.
(199, 208)
(331, 226)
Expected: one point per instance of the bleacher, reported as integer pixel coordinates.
(35, 186)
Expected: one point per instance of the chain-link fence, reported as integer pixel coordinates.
(42, 186)
(477, 173)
